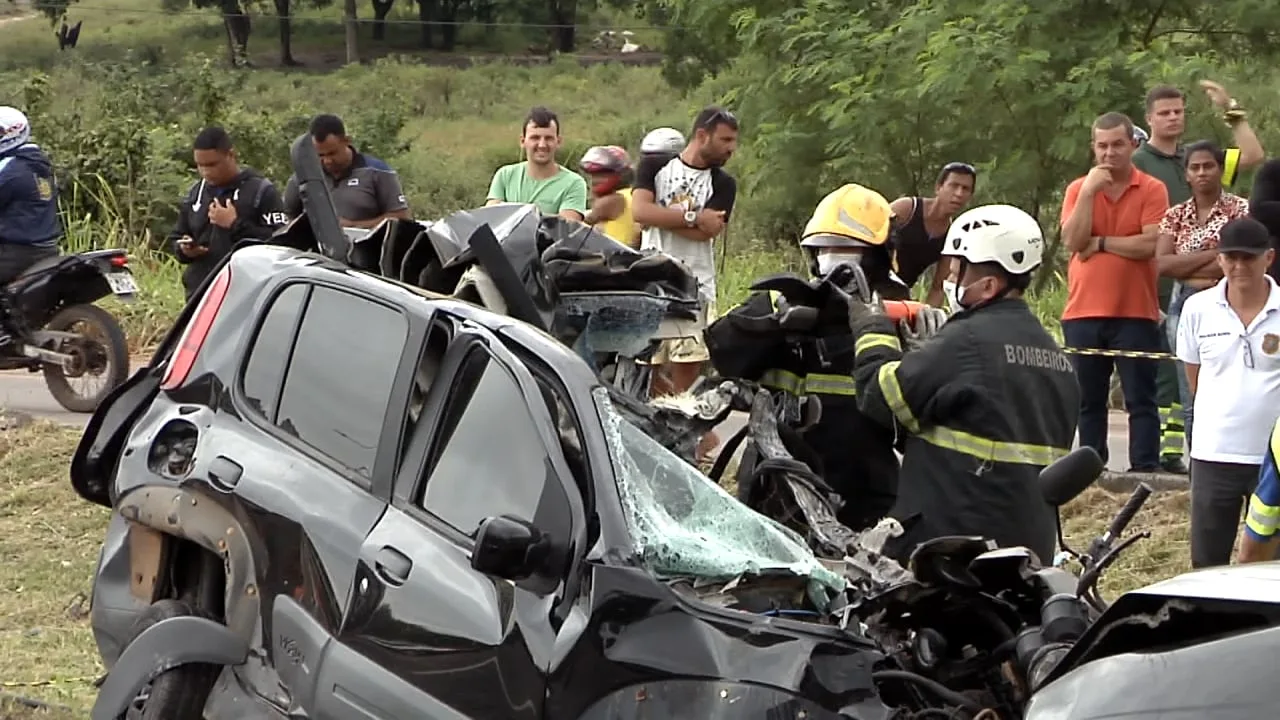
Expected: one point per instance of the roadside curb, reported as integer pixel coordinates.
(1125, 482)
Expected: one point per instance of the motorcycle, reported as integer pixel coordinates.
(989, 625)
(48, 300)
(969, 630)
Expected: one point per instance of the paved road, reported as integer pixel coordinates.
(1118, 438)
(26, 392)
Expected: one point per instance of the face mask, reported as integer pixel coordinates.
(831, 260)
(954, 294)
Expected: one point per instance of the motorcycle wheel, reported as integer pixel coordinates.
(115, 350)
(177, 694)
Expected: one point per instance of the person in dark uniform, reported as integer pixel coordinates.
(229, 203)
(29, 224)
(922, 225)
(985, 404)
(850, 226)
(365, 190)
(853, 454)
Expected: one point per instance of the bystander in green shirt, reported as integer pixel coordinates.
(566, 190)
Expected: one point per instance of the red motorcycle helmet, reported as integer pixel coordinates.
(608, 166)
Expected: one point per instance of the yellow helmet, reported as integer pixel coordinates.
(851, 216)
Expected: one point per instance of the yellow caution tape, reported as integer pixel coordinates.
(1120, 353)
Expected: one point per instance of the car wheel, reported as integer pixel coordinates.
(177, 694)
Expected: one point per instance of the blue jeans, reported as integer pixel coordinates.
(1180, 294)
(1137, 380)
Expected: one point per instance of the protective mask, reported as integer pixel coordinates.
(954, 294)
(831, 260)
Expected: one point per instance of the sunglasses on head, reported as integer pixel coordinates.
(720, 116)
(959, 167)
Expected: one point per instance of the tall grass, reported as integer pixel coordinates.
(160, 296)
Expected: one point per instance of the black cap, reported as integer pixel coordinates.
(1244, 235)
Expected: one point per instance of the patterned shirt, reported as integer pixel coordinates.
(1182, 221)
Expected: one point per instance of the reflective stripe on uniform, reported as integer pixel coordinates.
(783, 380)
(1262, 519)
(958, 440)
(993, 450)
(893, 397)
(1230, 167)
(1172, 435)
(814, 383)
(824, 384)
(870, 340)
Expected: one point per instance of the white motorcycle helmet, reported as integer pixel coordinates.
(1001, 234)
(662, 141)
(15, 129)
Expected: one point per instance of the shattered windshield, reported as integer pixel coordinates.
(684, 525)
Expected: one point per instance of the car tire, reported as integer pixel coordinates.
(177, 694)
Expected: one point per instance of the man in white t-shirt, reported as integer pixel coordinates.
(683, 202)
(1229, 340)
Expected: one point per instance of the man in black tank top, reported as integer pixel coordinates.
(921, 226)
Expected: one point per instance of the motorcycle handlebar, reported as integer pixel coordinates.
(1131, 507)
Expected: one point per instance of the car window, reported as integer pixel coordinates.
(339, 381)
(269, 354)
(490, 459)
(428, 368)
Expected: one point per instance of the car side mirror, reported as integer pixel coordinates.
(510, 548)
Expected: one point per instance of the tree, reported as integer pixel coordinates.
(885, 92)
(235, 22)
(381, 9)
(352, 30)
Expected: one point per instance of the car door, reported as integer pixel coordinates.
(446, 640)
(305, 449)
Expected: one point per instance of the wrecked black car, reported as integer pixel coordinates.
(336, 495)
(339, 496)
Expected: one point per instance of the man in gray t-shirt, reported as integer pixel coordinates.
(365, 190)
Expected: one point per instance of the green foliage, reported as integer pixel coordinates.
(884, 93)
(120, 135)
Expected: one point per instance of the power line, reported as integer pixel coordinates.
(204, 13)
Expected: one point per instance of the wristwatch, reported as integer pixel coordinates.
(690, 218)
(1102, 244)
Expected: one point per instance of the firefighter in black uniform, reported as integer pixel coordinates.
(851, 226)
(855, 456)
(986, 403)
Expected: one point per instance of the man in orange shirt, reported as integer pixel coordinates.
(1109, 223)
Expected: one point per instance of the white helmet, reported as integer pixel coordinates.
(15, 130)
(1001, 234)
(663, 140)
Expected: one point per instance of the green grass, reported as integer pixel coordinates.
(114, 30)
(49, 539)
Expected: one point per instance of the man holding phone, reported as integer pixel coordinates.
(228, 204)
